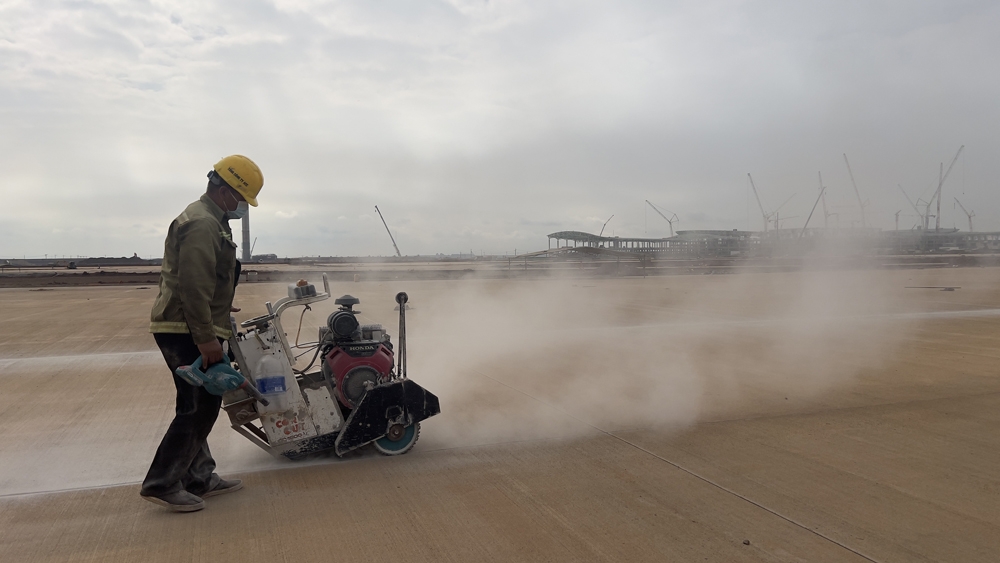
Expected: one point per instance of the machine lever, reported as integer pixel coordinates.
(402, 298)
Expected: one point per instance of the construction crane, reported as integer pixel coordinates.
(777, 225)
(937, 193)
(767, 218)
(670, 221)
(857, 194)
(910, 201)
(606, 224)
(967, 214)
(821, 191)
(777, 220)
(927, 215)
(931, 201)
(388, 231)
(822, 197)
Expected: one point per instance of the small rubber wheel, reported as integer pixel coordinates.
(399, 440)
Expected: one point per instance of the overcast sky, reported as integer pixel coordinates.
(486, 125)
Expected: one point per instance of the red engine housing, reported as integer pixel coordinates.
(354, 363)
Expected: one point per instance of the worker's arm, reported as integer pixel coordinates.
(199, 243)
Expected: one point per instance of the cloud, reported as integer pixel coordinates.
(479, 123)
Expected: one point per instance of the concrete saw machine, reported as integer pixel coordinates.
(359, 394)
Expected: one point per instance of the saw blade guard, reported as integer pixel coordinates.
(397, 403)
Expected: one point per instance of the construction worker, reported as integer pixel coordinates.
(190, 318)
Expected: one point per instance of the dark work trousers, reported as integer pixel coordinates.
(182, 460)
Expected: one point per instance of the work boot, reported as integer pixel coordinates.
(224, 486)
(181, 501)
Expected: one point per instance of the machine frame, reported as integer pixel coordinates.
(387, 410)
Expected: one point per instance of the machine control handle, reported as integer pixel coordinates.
(402, 298)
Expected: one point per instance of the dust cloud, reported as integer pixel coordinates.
(559, 358)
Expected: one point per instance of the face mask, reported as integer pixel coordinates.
(242, 208)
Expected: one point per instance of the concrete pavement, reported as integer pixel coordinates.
(776, 417)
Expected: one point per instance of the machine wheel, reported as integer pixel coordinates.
(399, 440)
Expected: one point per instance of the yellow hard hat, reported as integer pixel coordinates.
(242, 175)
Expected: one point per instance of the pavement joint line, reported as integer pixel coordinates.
(689, 472)
(778, 321)
(766, 417)
(67, 490)
(81, 356)
(846, 409)
(745, 498)
(296, 465)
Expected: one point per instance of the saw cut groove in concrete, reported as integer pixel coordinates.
(689, 472)
(747, 499)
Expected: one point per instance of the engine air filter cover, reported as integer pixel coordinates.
(342, 323)
(347, 301)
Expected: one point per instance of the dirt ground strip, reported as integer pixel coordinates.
(760, 417)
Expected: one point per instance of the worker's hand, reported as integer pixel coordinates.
(235, 309)
(211, 353)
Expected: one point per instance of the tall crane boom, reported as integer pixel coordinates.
(856, 192)
(822, 197)
(967, 214)
(913, 205)
(783, 204)
(759, 204)
(606, 224)
(937, 194)
(669, 221)
(388, 231)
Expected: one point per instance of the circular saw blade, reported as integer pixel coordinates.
(399, 439)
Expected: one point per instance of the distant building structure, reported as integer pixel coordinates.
(719, 243)
(728, 243)
(577, 239)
